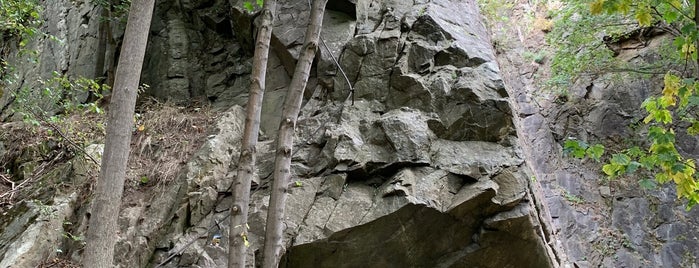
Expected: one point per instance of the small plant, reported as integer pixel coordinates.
(538, 57)
(573, 198)
(74, 238)
(580, 149)
(422, 12)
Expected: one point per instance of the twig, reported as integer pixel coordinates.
(179, 251)
(342, 71)
(11, 191)
(60, 133)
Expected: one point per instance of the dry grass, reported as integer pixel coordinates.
(31, 152)
(543, 24)
(165, 137)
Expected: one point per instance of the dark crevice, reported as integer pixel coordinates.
(343, 6)
(372, 170)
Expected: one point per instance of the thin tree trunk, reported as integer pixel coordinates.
(237, 236)
(285, 140)
(102, 44)
(102, 230)
(111, 51)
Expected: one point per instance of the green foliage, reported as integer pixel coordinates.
(579, 48)
(19, 23)
(62, 93)
(60, 90)
(19, 19)
(573, 198)
(249, 6)
(677, 102)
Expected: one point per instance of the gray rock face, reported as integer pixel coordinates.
(420, 171)
(419, 168)
(600, 223)
(74, 25)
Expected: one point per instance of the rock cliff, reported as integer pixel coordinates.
(600, 223)
(420, 166)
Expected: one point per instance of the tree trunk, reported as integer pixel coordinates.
(285, 140)
(102, 44)
(102, 230)
(237, 236)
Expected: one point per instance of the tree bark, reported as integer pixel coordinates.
(102, 230)
(285, 140)
(238, 230)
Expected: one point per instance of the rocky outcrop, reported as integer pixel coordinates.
(423, 168)
(418, 167)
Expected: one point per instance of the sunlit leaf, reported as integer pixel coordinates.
(609, 169)
(624, 7)
(644, 17)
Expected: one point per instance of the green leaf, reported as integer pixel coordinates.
(635, 152)
(662, 177)
(575, 148)
(245, 240)
(620, 159)
(610, 170)
(624, 7)
(644, 17)
(632, 167)
(688, 29)
(647, 184)
(595, 151)
(260, 3)
(678, 168)
(694, 128)
(670, 16)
